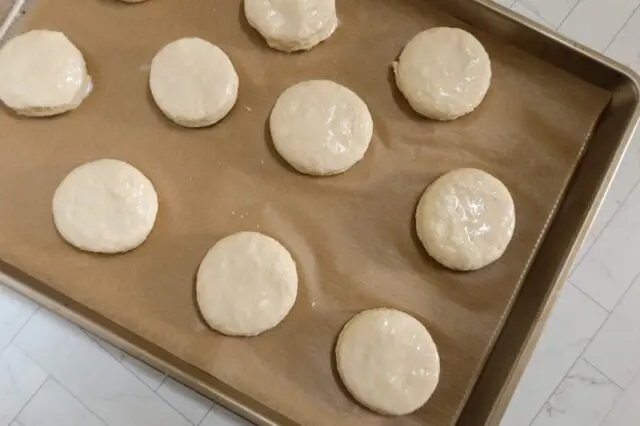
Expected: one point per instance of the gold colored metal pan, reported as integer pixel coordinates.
(554, 127)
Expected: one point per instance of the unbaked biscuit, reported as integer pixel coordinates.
(42, 74)
(291, 25)
(388, 361)
(320, 127)
(444, 73)
(465, 219)
(193, 82)
(106, 206)
(246, 284)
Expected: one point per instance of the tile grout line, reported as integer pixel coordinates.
(206, 414)
(120, 361)
(613, 216)
(580, 356)
(164, 379)
(21, 328)
(545, 21)
(126, 367)
(85, 333)
(175, 409)
(30, 398)
(78, 399)
(568, 14)
(609, 313)
(606, 416)
(589, 297)
(555, 389)
(636, 376)
(622, 27)
(627, 290)
(93, 339)
(613, 382)
(596, 237)
(606, 225)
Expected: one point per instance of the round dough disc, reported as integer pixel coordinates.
(193, 82)
(320, 127)
(42, 74)
(388, 361)
(246, 284)
(465, 219)
(106, 206)
(291, 25)
(444, 73)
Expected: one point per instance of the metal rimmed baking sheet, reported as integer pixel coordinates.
(545, 129)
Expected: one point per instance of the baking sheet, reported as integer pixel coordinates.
(352, 235)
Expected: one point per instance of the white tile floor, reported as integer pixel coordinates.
(584, 372)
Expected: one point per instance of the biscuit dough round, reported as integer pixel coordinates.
(465, 219)
(133, 1)
(193, 82)
(292, 25)
(42, 74)
(106, 206)
(388, 361)
(246, 284)
(320, 127)
(444, 73)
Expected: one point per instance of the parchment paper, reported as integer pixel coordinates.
(352, 235)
